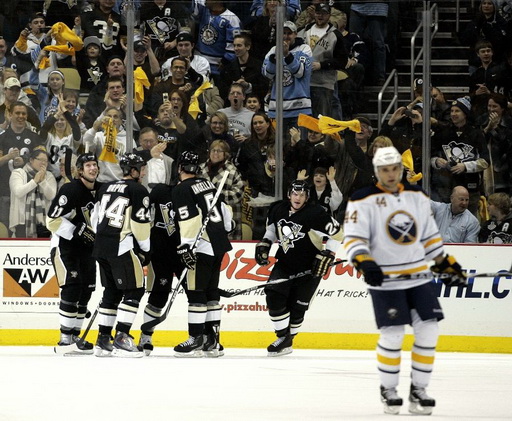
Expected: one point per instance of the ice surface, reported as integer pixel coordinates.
(245, 384)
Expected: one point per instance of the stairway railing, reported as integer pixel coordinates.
(415, 60)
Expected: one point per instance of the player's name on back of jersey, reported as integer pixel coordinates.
(202, 186)
(117, 188)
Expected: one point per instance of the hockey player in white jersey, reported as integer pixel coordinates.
(390, 233)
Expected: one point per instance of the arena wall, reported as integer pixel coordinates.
(477, 319)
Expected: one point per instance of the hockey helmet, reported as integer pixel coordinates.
(129, 161)
(299, 186)
(388, 155)
(83, 158)
(189, 162)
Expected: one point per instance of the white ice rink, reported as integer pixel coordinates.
(38, 385)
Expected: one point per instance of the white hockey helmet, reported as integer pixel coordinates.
(386, 156)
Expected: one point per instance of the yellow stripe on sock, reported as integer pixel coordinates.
(388, 361)
(423, 359)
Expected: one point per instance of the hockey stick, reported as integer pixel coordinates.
(228, 294)
(152, 323)
(74, 348)
(447, 275)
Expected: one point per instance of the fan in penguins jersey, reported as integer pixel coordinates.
(390, 231)
(122, 245)
(165, 262)
(71, 249)
(299, 227)
(192, 198)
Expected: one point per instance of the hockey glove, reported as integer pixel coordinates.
(371, 271)
(144, 257)
(451, 267)
(262, 251)
(322, 262)
(84, 234)
(187, 256)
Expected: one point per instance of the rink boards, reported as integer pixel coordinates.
(477, 319)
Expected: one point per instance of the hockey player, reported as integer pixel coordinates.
(164, 236)
(192, 199)
(122, 245)
(71, 250)
(391, 233)
(299, 228)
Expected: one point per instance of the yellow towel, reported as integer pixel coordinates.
(193, 108)
(21, 44)
(483, 211)
(330, 125)
(407, 161)
(108, 153)
(140, 80)
(65, 36)
(311, 123)
(44, 63)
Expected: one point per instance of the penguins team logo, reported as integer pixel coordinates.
(209, 35)
(402, 228)
(161, 27)
(287, 77)
(500, 238)
(459, 152)
(168, 219)
(288, 233)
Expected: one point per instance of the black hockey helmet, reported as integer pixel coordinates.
(189, 162)
(299, 186)
(129, 161)
(83, 158)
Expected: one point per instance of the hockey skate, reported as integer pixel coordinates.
(103, 347)
(419, 402)
(281, 346)
(392, 402)
(70, 344)
(146, 344)
(191, 348)
(124, 347)
(211, 348)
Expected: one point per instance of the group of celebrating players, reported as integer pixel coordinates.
(181, 231)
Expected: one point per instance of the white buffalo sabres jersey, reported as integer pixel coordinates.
(396, 229)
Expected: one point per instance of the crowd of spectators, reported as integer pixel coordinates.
(204, 76)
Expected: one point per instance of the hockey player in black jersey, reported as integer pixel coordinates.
(122, 245)
(71, 250)
(299, 228)
(192, 199)
(165, 263)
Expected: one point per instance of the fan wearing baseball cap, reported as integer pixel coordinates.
(296, 84)
(459, 156)
(185, 44)
(329, 55)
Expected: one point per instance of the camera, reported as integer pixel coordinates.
(409, 113)
(452, 162)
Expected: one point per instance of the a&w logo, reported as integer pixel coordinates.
(30, 282)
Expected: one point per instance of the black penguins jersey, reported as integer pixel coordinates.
(192, 198)
(123, 215)
(72, 206)
(164, 233)
(497, 233)
(300, 234)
